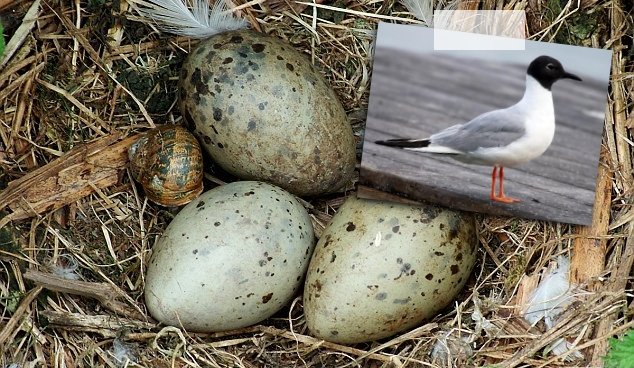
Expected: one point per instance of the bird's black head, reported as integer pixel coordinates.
(547, 70)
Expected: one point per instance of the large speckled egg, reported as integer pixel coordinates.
(380, 268)
(263, 112)
(229, 259)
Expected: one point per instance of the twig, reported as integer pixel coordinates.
(571, 320)
(417, 332)
(105, 294)
(105, 325)
(329, 345)
(5, 3)
(594, 341)
(618, 282)
(67, 178)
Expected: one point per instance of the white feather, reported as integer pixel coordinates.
(123, 353)
(552, 295)
(447, 19)
(482, 323)
(436, 149)
(174, 16)
(422, 9)
(65, 267)
(551, 298)
(561, 347)
(448, 348)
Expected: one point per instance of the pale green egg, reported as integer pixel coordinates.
(380, 268)
(231, 258)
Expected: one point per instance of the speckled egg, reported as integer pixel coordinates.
(380, 268)
(263, 112)
(229, 259)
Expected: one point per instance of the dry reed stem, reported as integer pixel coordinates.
(588, 256)
(21, 33)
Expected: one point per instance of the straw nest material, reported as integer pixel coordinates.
(71, 278)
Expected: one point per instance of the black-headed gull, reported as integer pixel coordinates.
(505, 137)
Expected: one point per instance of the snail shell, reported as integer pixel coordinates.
(168, 163)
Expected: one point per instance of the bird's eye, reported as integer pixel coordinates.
(550, 66)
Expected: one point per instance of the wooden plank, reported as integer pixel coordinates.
(371, 193)
(416, 95)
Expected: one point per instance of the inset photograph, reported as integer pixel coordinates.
(515, 133)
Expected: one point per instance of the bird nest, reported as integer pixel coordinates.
(83, 76)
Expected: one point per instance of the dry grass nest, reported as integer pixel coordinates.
(87, 69)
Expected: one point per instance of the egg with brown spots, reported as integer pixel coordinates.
(380, 268)
(262, 111)
(229, 259)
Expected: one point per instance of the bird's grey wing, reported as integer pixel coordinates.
(493, 129)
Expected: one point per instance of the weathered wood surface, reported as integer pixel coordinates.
(417, 95)
(68, 178)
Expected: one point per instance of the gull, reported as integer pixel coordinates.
(505, 137)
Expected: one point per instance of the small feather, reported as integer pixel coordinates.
(552, 295)
(551, 298)
(448, 19)
(422, 9)
(561, 347)
(197, 21)
(482, 323)
(65, 267)
(448, 348)
(123, 353)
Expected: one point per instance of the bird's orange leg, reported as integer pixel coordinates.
(500, 197)
(493, 176)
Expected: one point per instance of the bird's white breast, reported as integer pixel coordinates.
(537, 108)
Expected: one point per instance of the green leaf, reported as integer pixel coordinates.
(12, 301)
(1, 40)
(621, 354)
